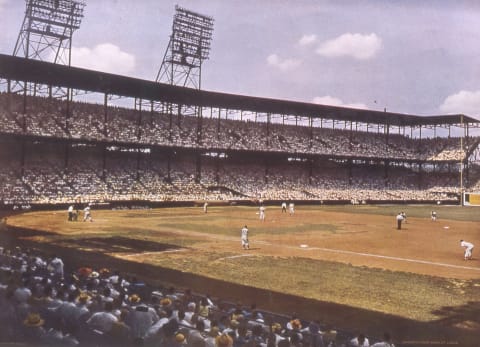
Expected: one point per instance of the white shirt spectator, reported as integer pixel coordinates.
(56, 266)
(102, 321)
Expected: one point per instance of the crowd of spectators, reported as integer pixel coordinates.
(45, 177)
(94, 122)
(160, 177)
(44, 303)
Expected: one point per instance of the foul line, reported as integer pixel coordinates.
(148, 253)
(364, 255)
(394, 258)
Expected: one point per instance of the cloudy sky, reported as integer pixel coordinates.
(418, 57)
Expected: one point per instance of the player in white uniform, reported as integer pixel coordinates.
(468, 249)
(399, 220)
(205, 207)
(245, 243)
(70, 213)
(291, 208)
(262, 213)
(86, 214)
(284, 207)
(433, 216)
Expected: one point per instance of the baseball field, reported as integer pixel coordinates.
(347, 266)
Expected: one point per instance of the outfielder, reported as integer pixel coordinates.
(262, 213)
(468, 249)
(245, 243)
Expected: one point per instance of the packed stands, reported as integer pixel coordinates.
(47, 117)
(115, 153)
(46, 302)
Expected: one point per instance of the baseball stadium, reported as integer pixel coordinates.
(139, 190)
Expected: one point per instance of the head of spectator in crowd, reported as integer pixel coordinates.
(296, 324)
(180, 339)
(33, 330)
(33, 320)
(223, 340)
(134, 299)
(361, 339)
(83, 298)
(166, 303)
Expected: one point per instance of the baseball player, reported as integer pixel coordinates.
(291, 208)
(70, 213)
(468, 249)
(245, 243)
(284, 207)
(205, 207)
(262, 213)
(399, 221)
(86, 214)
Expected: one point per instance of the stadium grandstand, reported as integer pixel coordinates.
(168, 143)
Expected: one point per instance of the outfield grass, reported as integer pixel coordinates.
(444, 212)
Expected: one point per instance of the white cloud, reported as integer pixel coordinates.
(282, 64)
(306, 40)
(355, 45)
(466, 102)
(333, 101)
(105, 57)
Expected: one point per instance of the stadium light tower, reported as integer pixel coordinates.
(47, 30)
(188, 47)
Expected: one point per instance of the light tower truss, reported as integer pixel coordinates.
(46, 35)
(47, 30)
(188, 47)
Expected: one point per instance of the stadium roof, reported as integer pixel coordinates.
(21, 69)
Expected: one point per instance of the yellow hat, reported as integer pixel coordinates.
(276, 327)
(165, 302)
(83, 297)
(179, 337)
(33, 320)
(134, 298)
